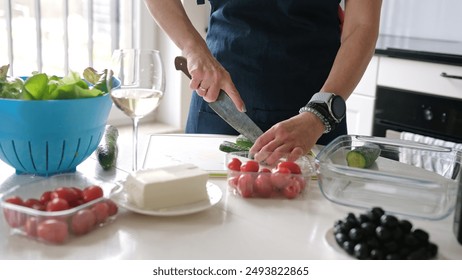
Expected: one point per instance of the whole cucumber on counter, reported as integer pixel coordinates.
(107, 149)
(363, 156)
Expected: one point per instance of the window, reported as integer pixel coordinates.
(55, 36)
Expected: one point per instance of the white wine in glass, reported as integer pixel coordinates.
(142, 82)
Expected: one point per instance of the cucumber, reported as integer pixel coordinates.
(107, 150)
(244, 142)
(363, 156)
(229, 147)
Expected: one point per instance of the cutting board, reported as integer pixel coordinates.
(201, 150)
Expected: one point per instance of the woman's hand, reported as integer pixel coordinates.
(208, 77)
(295, 136)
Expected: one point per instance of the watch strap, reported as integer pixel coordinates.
(327, 125)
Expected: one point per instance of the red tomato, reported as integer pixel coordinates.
(15, 219)
(292, 190)
(57, 204)
(15, 200)
(45, 197)
(101, 211)
(66, 193)
(280, 177)
(263, 186)
(53, 231)
(265, 170)
(34, 204)
(232, 181)
(79, 192)
(92, 192)
(30, 226)
(113, 208)
(234, 164)
(250, 166)
(83, 222)
(292, 166)
(301, 181)
(245, 185)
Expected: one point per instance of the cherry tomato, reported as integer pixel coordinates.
(101, 211)
(245, 185)
(92, 192)
(34, 204)
(45, 197)
(79, 192)
(113, 208)
(292, 190)
(30, 227)
(292, 166)
(250, 166)
(262, 186)
(66, 193)
(234, 164)
(83, 222)
(265, 170)
(280, 177)
(15, 219)
(53, 231)
(57, 204)
(232, 181)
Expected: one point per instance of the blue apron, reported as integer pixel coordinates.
(278, 53)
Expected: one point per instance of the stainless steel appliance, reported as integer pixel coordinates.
(430, 115)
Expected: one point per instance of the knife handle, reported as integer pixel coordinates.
(182, 65)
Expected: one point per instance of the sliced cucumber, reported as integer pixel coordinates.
(107, 149)
(244, 142)
(229, 147)
(363, 156)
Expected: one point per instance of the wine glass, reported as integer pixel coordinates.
(142, 81)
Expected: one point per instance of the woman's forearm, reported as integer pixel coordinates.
(359, 37)
(171, 16)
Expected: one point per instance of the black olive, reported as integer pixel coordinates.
(349, 246)
(419, 254)
(383, 233)
(373, 242)
(340, 238)
(421, 235)
(405, 225)
(351, 220)
(432, 249)
(363, 218)
(389, 221)
(377, 254)
(397, 234)
(391, 247)
(368, 228)
(361, 251)
(392, 256)
(411, 241)
(356, 234)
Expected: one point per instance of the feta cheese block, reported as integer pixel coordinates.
(167, 187)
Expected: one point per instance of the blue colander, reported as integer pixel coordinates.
(45, 137)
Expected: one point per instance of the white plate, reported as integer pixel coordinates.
(330, 240)
(119, 196)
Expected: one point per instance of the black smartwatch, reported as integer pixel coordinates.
(328, 107)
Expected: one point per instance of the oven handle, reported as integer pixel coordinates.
(445, 75)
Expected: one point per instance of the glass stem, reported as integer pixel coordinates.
(135, 144)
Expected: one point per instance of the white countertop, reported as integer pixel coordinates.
(235, 228)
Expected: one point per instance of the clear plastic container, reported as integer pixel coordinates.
(57, 227)
(259, 180)
(407, 178)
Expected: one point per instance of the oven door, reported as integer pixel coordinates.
(419, 113)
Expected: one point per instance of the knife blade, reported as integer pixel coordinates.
(225, 108)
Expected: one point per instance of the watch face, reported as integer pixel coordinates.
(338, 107)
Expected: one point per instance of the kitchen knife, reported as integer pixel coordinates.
(226, 109)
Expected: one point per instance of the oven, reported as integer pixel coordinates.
(430, 115)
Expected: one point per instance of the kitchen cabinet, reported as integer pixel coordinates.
(360, 104)
(420, 76)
